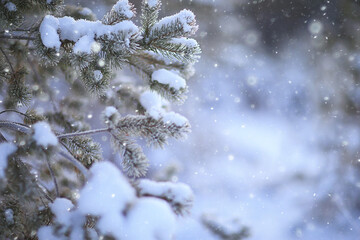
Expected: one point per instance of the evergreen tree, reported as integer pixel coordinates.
(56, 62)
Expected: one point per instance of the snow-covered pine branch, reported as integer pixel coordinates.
(179, 195)
(56, 74)
(116, 207)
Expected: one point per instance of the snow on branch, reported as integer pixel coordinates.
(122, 10)
(152, 103)
(110, 200)
(43, 135)
(169, 85)
(179, 195)
(70, 45)
(230, 228)
(169, 78)
(155, 129)
(82, 32)
(178, 25)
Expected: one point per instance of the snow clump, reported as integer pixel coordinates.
(43, 135)
(167, 77)
(83, 32)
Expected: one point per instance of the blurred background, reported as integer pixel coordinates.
(275, 112)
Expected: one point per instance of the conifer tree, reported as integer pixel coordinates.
(56, 62)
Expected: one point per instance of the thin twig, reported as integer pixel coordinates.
(44, 192)
(8, 60)
(53, 177)
(13, 110)
(15, 126)
(17, 37)
(89, 132)
(2, 138)
(26, 129)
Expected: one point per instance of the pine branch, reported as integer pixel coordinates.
(73, 160)
(149, 17)
(156, 132)
(122, 10)
(134, 161)
(83, 149)
(86, 57)
(90, 132)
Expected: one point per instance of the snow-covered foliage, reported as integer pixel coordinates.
(60, 89)
(184, 20)
(166, 77)
(178, 194)
(153, 105)
(109, 197)
(84, 33)
(6, 149)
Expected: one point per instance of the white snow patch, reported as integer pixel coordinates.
(11, 7)
(46, 233)
(109, 111)
(107, 191)
(188, 42)
(95, 47)
(84, 44)
(164, 76)
(9, 216)
(6, 149)
(48, 32)
(152, 3)
(43, 135)
(98, 75)
(106, 194)
(150, 99)
(61, 208)
(155, 217)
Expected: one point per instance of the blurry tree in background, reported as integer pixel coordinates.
(320, 41)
